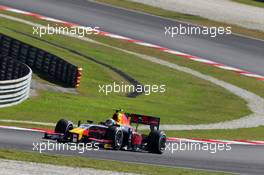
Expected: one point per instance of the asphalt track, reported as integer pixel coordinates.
(242, 159)
(236, 51)
(231, 50)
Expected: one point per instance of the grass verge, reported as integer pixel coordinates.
(251, 2)
(81, 162)
(174, 106)
(247, 83)
(256, 133)
(186, 17)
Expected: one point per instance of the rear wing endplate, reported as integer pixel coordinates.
(144, 119)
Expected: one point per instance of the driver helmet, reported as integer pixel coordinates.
(109, 122)
(117, 117)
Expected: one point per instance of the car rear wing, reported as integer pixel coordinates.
(145, 120)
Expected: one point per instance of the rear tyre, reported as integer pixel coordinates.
(156, 142)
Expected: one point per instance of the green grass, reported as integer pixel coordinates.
(183, 103)
(247, 83)
(185, 17)
(225, 134)
(72, 161)
(251, 2)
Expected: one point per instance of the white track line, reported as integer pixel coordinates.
(21, 129)
(240, 142)
(162, 49)
(255, 103)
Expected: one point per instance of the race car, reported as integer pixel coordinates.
(115, 133)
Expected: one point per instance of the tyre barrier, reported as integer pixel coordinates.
(46, 65)
(15, 80)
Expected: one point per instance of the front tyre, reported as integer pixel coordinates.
(62, 127)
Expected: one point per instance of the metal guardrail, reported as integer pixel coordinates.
(15, 80)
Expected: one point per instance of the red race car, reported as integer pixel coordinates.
(115, 133)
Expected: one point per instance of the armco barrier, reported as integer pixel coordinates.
(41, 62)
(15, 79)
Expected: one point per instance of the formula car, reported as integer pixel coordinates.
(115, 133)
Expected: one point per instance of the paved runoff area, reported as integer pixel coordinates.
(11, 167)
(225, 11)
